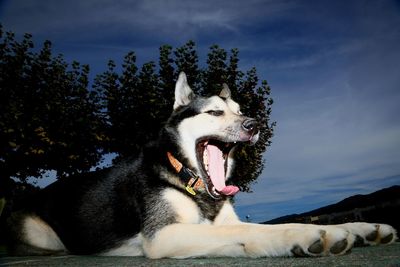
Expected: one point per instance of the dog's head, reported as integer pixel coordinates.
(207, 131)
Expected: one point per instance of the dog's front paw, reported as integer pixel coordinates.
(371, 234)
(330, 241)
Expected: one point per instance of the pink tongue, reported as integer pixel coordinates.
(217, 171)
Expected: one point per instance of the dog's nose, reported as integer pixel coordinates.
(250, 125)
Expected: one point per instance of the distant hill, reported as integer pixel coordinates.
(382, 206)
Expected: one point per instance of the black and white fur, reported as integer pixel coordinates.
(140, 207)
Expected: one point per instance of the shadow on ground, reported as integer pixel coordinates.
(367, 256)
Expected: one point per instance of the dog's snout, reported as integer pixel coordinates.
(250, 125)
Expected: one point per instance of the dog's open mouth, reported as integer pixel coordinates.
(213, 158)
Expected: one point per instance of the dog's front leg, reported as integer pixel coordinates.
(193, 240)
(245, 240)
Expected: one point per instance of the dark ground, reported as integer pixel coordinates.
(367, 256)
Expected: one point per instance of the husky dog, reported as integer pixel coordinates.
(174, 200)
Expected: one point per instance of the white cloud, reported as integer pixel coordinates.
(169, 17)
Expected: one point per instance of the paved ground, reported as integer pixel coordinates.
(368, 256)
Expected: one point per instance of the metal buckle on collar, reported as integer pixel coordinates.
(193, 179)
(186, 174)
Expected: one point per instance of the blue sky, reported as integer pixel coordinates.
(334, 69)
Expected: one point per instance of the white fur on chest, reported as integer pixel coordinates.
(185, 208)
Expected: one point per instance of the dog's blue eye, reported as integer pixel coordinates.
(215, 112)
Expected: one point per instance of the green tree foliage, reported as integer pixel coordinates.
(186, 59)
(167, 79)
(216, 72)
(111, 105)
(48, 118)
(51, 119)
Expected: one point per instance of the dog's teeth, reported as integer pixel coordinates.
(215, 191)
(205, 157)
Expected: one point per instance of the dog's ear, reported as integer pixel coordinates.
(225, 92)
(183, 93)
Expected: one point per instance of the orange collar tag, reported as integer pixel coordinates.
(174, 162)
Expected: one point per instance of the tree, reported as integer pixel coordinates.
(167, 78)
(186, 59)
(216, 72)
(233, 74)
(48, 118)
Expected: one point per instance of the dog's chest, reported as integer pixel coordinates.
(187, 210)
